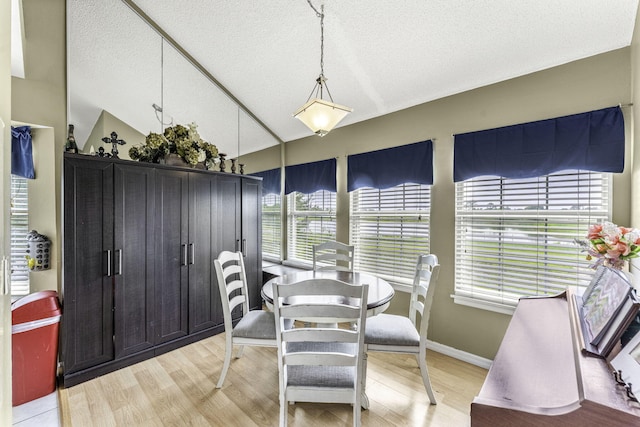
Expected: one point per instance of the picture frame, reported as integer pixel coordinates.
(626, 365)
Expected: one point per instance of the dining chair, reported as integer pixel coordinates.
(399, 334)
(333, 255)
(320, 364)
(255, 327)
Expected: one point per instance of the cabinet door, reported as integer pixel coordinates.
(87, 323)
(252, 238)
(229, 220)
(133, 260)
(172, 280)
(205, 310)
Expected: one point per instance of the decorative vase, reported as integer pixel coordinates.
(172, 159)
(222, 159)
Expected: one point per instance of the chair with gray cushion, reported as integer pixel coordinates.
(399, 334)
(256, 327)
(333, 255)
(320, 364)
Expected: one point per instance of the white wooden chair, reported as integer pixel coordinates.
(399, 334)
(322, 364)
(256, 327)
(333, 256)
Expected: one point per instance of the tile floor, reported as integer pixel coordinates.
(42, 412)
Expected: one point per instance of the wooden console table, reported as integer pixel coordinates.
(540, 376)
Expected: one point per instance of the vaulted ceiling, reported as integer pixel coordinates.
(380, 56)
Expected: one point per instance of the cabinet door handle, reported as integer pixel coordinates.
(192, 248)
(244, 248)
(183, 251)
(108, 262)
(119, 261)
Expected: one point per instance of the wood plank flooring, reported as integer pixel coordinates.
(178, 389)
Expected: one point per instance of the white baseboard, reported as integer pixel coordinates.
(459, 354)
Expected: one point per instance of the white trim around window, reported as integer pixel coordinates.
(516, 237)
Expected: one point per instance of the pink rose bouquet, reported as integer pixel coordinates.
(612, 245)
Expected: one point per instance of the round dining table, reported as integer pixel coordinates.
(380, 291)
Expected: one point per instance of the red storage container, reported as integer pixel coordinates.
(35, 320)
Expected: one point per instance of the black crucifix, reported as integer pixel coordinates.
(114, 141)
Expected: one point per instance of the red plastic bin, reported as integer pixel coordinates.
(35, 321)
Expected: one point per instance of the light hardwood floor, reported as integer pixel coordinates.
(178, 388)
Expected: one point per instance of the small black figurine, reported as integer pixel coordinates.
(114, 141)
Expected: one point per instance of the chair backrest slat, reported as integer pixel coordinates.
(339, 255)
(320, 334)
(232, 284)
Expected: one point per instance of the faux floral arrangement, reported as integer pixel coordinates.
(611, 245)
(183, 141)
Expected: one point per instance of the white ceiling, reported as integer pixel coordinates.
(381, 56)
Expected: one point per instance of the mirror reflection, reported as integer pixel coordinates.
(124, 77)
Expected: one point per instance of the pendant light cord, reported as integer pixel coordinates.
(321, 79)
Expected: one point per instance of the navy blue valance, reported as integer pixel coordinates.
(22, 152)
(270, 181)
(591, 141)
(412, 163)
(308, 178)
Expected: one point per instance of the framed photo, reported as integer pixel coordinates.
(602, 303)
(628, 363)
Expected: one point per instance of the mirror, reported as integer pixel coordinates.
(119, 67)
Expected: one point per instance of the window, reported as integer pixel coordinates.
(389, 229)
(515, 237)
(311, 220)
(271, 227)
(19, 224)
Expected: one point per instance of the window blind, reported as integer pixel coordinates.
(389, 229)
(19, 228)
(271, 227)
(515, 237)
(311, 220)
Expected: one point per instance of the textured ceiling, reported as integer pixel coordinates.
(380, 56)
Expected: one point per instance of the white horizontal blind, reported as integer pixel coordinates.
(19, 228)
(389, 229)
(311, 220)
(515, 237)
(271, 227)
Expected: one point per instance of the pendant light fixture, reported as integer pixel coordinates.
(318, 114)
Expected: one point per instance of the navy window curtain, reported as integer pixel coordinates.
(270, 181)
(308, 178)
(592, 141)
(412, 163)
(22, 152)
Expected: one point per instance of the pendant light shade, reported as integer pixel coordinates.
(321, 116)
(318, 114)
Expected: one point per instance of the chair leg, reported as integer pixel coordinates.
(425, 377)
(227, 361)
(364, 400)
(239, 353)
(284, 409)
